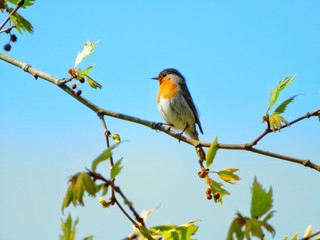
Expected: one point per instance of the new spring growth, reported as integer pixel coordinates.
(104, 203)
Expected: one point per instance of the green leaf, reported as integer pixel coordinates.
(235, 229)
(211, 153)
(253, 227)
(319, 118)
(282, 107)
(174, 232)
(106, 154)
(267, 226)
(21, 23)
(79, 184)
(145, 233)
(275, 122)
(294, 237)
(274, 94)
(308, 232)
(88, 238)
(86, 71)
(93, 83)
(68, 228)
(145, 213)
(26, 3)
(78, 191)
(102, 187)
(261, 204)
(116, 137)
(261, 200)
(90, 186)
(68, 197)
(115, 170)
(83, 183)
(87, 49)
(228, 175)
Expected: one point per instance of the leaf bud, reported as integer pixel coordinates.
(103, 202)
(70, 71)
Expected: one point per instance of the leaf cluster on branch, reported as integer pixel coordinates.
(14, 20)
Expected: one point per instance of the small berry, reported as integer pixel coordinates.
(208, 191)
(74, 86)
(78, 92)
(7, 47)
(13, 38)
(81, 79)
(209, 196)
(216, 195)
(70, 71)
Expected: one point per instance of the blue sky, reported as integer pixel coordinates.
(231, 53)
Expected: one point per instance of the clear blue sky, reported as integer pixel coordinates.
(231, 52)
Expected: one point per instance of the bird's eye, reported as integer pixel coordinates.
(164, 74)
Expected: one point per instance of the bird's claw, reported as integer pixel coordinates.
(179, 136)
(158, 126)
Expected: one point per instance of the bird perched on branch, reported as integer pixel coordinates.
(176, 106)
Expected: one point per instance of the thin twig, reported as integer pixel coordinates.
(8, 29)
(245, 147)
(19, 5)
(268, 130)
(311, 235)
(118, 190)
(106, 134)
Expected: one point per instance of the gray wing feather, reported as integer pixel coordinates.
(188, 98)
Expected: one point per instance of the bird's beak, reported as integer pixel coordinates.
(155, 78)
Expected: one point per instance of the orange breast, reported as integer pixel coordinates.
(168, 89)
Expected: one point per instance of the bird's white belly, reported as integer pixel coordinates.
(177, 112)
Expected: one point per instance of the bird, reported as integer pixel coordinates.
(176, 105)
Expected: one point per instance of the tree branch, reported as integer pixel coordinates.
(268, 130)
(19, 5)
(97, 176)
(163, 128)
(112, 199)
(311, 235)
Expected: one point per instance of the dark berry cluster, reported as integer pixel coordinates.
(75, 75)
(7, 46)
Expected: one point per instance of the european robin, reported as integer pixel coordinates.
(176, 106)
